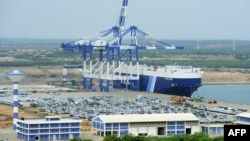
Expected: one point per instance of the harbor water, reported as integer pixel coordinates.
(232, 93)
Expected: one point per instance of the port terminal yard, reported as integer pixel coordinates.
(48, 99)
(69, 101)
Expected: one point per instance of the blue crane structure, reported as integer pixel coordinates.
(117, 50)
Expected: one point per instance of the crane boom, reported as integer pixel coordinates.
(123, 15)
(117, 49)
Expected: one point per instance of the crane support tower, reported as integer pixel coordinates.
(117, 52)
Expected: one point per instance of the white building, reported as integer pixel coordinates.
(213, 129)
(243, 118)
(146, 124)
(48, 128)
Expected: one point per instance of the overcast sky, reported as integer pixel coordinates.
(162, 19)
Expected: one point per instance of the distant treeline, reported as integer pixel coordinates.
(47, 52)
(190, 45)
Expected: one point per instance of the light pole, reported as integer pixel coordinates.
(15, 77)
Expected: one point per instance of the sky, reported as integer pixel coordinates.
(162, 19)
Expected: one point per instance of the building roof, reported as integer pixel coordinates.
(213, 125)
(148, 117)
(43, 120)
(245, 114)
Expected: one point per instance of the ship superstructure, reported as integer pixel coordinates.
(117, 50)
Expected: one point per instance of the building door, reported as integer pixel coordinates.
(54, 137)
(161, 131)
(188, 130)
(37, 138)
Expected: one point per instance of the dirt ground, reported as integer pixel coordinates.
(6, 111)
(6, 122)
(210, 77)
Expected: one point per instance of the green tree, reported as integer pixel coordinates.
(112, 138)
(128, 137)
(138, 138)
(221, 138)
(178, 138)
(81, 140)
(199, 137)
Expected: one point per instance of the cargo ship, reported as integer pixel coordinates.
(171, 79)
(113, 45)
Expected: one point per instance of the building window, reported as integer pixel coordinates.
(180, 132)
(108, 126)
(180, 122)
(74, 124)
(171, 123)
(123, 132)
(115, 126)
(174, 128)
(171, 133)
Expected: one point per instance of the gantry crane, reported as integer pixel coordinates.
(117, 52)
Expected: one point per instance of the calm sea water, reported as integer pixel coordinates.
(236, 93)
